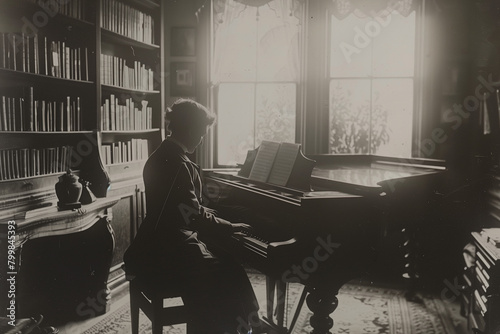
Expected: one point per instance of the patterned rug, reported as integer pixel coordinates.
(362, 310)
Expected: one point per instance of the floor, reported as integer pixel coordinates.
(451, 303)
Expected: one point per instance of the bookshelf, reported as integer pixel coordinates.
(81, 87)
(130, 83)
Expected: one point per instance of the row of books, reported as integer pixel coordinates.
(28, 162)
(127, 21)
(127, 117)
(27, 114)
(71, 8)
(37, 54)
(116, 72)
(124, 151)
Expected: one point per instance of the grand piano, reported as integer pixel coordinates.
(321, 225)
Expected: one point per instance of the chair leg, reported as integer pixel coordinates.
(134, 310)
(156, 318)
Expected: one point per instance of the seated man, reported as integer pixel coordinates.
(216, 291)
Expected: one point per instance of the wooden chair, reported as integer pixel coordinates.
(147, 296)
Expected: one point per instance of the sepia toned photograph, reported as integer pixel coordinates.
(182, 79)
(182, 41)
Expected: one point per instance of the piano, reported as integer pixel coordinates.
(320, 228)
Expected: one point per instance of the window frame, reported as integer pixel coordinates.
(299, 91)
(417, 114)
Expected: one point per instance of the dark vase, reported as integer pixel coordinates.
(68, 191)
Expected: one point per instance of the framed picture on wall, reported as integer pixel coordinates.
(182, 79)
(182, 41)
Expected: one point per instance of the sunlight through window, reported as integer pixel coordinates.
(255, 74)
(372, 62)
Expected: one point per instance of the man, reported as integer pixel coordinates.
(216, 291)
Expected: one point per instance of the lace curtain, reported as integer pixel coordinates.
(266, 28)
(342, 8)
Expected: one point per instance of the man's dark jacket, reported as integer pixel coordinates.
(168, 237)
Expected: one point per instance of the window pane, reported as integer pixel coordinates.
(235, 56)
(278, 44)
(235, 122)
(392, 117)
(350, 50)
(275, 117)
(349, 116)
(394, 46)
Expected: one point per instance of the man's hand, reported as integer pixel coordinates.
(240, 227)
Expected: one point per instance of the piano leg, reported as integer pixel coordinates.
(322, 301)
(281, 302)
(275, 285)
(270, 288)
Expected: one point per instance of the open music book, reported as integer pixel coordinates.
(274, 162)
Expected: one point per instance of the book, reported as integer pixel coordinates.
(4, 114)
(3, 50)
(283, 164)
(264, 161)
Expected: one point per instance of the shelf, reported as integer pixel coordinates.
(148, 4)
(125, 170)
(27, 178)
(119, 89)
(108, 35)
(32, 139)
(29, 7)
(33, 77)
(130, 132)
(44, 133)
(128, 163)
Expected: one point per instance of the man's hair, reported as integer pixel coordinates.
(186, 114)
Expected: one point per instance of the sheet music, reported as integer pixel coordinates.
(264, 161)
(283, 164)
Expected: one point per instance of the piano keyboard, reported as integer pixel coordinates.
(253, 242)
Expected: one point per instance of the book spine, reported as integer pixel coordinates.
(3, 50)
(3, 126)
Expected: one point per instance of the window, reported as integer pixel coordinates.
(372, 61)
(254, 75)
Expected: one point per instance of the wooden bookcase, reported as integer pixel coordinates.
(60, 69)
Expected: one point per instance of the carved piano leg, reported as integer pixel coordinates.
(322, 302)
(410, 248)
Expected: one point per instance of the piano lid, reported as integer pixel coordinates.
(367, 174)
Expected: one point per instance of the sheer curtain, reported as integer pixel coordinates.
(372, 76)
(342, 8)
(255, 71)
(248, 30)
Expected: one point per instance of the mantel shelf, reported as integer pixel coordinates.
(55, 222)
